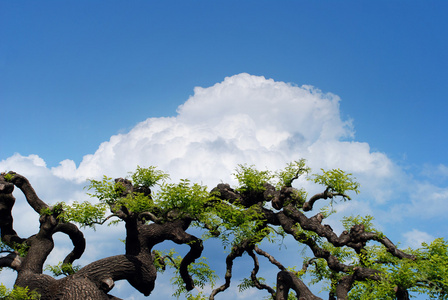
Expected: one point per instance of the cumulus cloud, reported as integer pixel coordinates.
(244, 119)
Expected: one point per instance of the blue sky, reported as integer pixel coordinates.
(73, 74)
(76, 72)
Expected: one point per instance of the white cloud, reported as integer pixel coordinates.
(244, 119)
(438, 172)
(428, 200)
(415, 238)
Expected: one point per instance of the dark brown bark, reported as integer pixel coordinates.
(401, 293)
(7, 200)
(237, 251)
(139, 271)
(287, 280)
(253, 275)
(33, 200)
(344, 286)
(77, 239)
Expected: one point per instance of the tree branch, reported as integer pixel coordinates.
(139, 273)
(12, 261)
(270, 257)
(308, 205)
(237, 251)
(8, 234)
(253, 275)
(77, 239)
(30, 194)
(287, 280)
(196, 248)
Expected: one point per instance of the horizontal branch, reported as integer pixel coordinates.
(12, 261)
(308, 205)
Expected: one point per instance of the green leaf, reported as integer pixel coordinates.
(250, 179)
(291, 172)
(62, 269)
(85, 213)
(337, 181)
(148, 176)
(106, 190)
(17, 293)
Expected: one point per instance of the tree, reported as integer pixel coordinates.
(359, 263)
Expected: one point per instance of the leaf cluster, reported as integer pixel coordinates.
(148, 177)
(237, 223)
(85, 213)
(62, 269)
(291, 172)
(183, 199)
(20, 248)
(337, 181)
(17, 293)
(106, 190)
(250, 179)
(427, 274)
(248, 283)
(8, 176)
(350, 221)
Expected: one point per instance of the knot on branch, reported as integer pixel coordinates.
(357, 230)
(126, 185)
(146, 191)
(107, 284)
(270, 194)
(5, 186)
(318, 218)
(286, 195)
(48, 222)
(224, 192)
(7, 200)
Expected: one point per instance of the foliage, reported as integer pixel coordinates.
(291, 172)
(433, 274)
(17, 293)
(8, 176)
(427, 274)
(110, 193)
(21, 249)
(62, 269)
(236, 223)
(85, 213)
(250, 179)
(247, 283)
(137, 203)
(349, 222)
(106, 190)
(148, 177)
(184, 198)
(337, 181)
